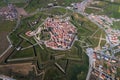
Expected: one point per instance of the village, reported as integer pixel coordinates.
(62, 39)
(62, 33)
(9, 13)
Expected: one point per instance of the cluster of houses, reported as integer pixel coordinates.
(9, 12)
(103, 66)
(101, 19)
(114, 38)
(62, 33)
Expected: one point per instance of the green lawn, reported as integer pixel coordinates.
(110, 9)
(118, 71)
(75, 69)
(116, 25)
(2, 3)
(23, 54)
(16, 1)
(7, 25)
(56, 11)
(84, 26)
(29, 52)
(90, 10)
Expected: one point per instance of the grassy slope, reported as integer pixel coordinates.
(34, 4)
(110, 9)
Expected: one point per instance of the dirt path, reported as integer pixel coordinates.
(23, 68)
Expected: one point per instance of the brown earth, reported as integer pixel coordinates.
(22, 68)
(3, 41)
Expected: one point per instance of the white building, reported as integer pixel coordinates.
(3, 77)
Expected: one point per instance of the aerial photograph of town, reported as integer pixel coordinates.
(59, 39)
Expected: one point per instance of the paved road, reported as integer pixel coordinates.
(89, 52)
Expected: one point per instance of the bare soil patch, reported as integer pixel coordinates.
(3, 41)
(23, 69)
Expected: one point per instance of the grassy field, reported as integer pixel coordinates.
(2, 3)
(110, 9)
(118, 71)
(7, 25)
(16, 1)
(56, 11)
(23, 54)
(86, 29)
(29, 52)
(77, 72)
(5, 28)
(115, 1)
(116, 25)
(34, 4)
(90, 10)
